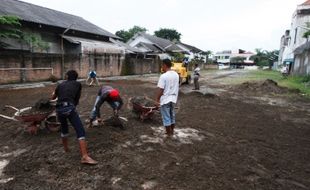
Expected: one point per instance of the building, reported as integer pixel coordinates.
(71, 42)
(191, 51)
(153, 45)
(224, 57)
(294, 46)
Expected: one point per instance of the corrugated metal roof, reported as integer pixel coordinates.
(37, 14)
(91, 46)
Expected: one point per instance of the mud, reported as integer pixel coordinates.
(40, 107)
(220, 143)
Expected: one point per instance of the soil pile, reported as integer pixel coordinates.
(114, 122)
(143, 101)
(40, 107)
(266, 87)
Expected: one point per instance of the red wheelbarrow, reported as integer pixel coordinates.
(34, 119)
(144, 107)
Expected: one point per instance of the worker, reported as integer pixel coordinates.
(168, 90)
(68, 94)
(93, 76)
(112, 97)
(196, 77)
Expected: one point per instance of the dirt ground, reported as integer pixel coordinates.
(226, 138)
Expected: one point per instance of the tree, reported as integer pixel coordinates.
(265, 58)
(178, 57)
(9, 28)
(169, 34)
(126, 35)
(34, 41)
(207, 54)
(307, 33)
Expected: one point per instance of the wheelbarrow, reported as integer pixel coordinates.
(34, 120)
(145, 111)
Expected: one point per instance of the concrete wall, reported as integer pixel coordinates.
(17, 67)
(301, 64)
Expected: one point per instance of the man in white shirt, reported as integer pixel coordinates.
(196, 76)
(168, 90)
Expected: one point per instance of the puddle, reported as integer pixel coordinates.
(184, 136)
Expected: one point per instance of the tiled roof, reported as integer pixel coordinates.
(191, 48)
(151, 47)
(161, 42)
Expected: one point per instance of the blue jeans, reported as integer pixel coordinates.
(93, 114)
(168, 114)
(65, 113)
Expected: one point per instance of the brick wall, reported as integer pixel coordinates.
(39, 67)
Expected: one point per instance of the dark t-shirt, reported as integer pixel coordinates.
(69, 91)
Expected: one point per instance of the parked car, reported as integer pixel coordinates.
(222, 66)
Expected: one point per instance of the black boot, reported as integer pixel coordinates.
(172, 129)
(168, 131)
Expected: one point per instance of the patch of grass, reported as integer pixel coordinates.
(292, 82)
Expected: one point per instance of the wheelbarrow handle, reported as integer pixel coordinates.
(12, 107)
(7, 117)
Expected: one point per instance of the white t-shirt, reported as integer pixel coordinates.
(169, 81)
(197, 71)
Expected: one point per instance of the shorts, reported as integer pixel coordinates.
(168, 114)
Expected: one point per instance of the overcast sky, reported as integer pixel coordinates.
(207, 24)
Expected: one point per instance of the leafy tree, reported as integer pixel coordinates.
(178, 57)
(169, 34)
(265, 58)
(9, 27)
(34, 41)
(126, 35)
(307, 33)
(207, 54)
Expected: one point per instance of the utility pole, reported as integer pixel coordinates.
(63, 52)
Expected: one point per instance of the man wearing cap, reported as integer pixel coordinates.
(111, 96)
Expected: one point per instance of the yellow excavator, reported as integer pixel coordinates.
(183, 71)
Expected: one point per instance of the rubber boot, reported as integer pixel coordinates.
(168, 131)
(172, 129)
(65, 143)
(85, 158)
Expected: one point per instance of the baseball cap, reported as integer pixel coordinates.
(114, 94)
